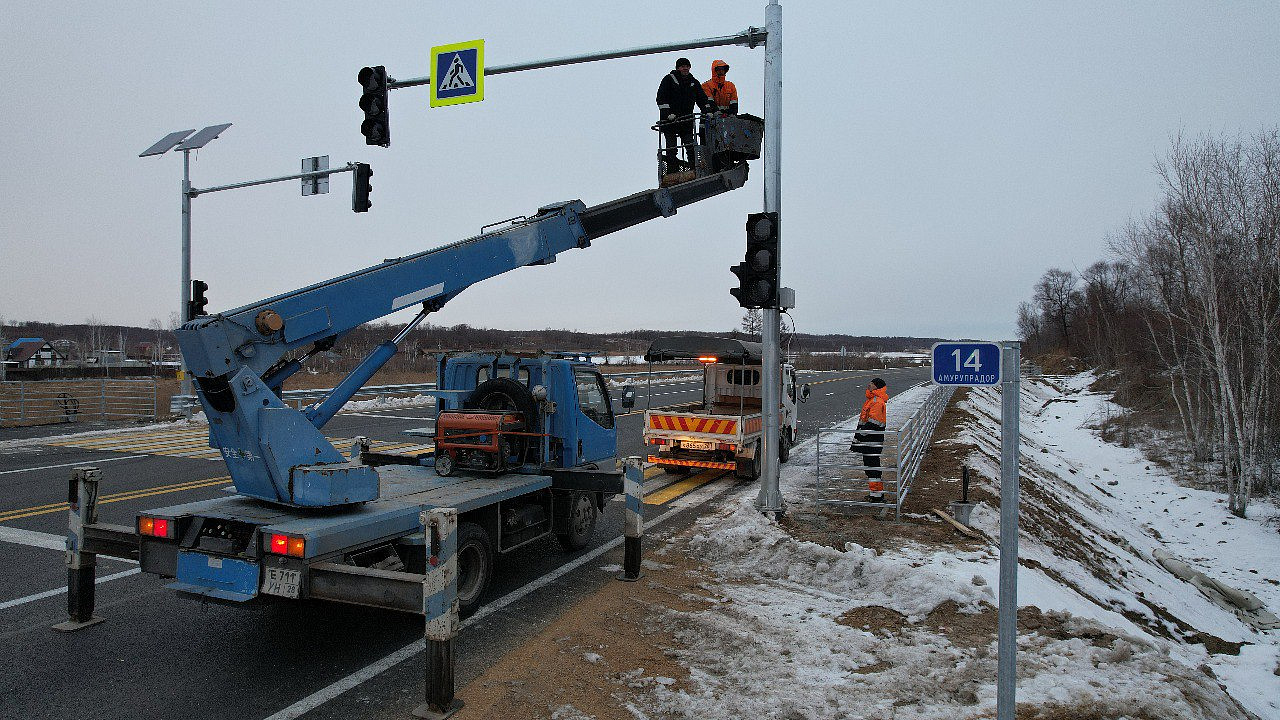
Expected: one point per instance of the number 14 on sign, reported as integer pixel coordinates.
(966, 363)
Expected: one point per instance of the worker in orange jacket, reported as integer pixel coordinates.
(723, 94)
(873, 419)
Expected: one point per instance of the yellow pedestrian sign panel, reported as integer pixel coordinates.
(457, 73)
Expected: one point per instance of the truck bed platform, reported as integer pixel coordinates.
(405, 492)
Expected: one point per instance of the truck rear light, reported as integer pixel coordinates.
(279, 544)
(725, 446)
(657, 441)
(154, 527)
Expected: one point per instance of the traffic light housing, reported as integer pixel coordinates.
(758, 271)
(376, 127)
(361, 188)
(195, 307)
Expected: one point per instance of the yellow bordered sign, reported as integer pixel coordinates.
(457, 73)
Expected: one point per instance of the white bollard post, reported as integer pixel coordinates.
(440, 610)
(633, 519)
(82, 501)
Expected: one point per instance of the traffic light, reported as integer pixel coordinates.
(195, 307)
(376, 127)
(758, 271)
(360, 188)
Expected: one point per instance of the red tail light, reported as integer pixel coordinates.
(155, 527)
(279, 544)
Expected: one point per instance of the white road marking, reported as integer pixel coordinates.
(50, 541)
(32, 538)
(58, 591)
(370, 671)
(83, 463)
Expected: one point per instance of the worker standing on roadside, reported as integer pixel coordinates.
(678, 93)
(871, 443)
(721, 91)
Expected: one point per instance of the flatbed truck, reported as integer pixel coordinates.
(525, 445)
(723, 430)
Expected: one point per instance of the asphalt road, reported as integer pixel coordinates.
(161, 654)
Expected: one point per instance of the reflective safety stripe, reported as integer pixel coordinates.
(694, 424)
(693, 463)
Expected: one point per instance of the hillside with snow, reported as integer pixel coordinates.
(834, 615)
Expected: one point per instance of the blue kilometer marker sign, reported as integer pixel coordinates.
(966, 363)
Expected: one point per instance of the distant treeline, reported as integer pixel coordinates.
(82, 339)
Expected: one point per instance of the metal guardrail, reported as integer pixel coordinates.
(900, 458)
(186, 404)
(42, 402)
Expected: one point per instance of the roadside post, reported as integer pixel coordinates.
(991, 364)
(82, 501)
(440, 611)
(633, 518)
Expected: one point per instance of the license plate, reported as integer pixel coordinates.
(697, 445)
(282, 582)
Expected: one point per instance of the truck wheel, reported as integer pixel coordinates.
(444, 464)
(581, 521)
(475, 565)
(784, 446)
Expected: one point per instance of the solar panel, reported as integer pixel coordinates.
(203, 137)
(166, 143)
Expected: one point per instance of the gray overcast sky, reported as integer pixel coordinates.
(937, 157)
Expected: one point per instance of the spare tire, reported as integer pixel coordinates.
(507, 394)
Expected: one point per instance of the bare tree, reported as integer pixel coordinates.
(1029, 325)
(1058, 298)
(753, 323)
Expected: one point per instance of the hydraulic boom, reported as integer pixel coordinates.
(241, 358)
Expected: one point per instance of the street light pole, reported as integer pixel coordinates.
(184, 307)
(770, 498)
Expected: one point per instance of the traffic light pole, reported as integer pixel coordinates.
(769, 500)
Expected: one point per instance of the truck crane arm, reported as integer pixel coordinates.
(240, 357)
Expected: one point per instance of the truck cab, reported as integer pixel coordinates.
(569, 420)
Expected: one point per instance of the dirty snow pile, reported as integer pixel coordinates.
(792, 630)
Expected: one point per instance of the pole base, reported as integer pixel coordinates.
(73, 625)
(623, 577)
(426, 710)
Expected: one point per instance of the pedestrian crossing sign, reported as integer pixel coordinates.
(457, 73)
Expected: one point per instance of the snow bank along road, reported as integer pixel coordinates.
(159, 650)
(803, 630)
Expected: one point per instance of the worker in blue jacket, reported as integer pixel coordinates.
(678, 94)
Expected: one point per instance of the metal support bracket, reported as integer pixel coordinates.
(82, 499)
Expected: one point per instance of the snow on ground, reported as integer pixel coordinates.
(785, 637)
